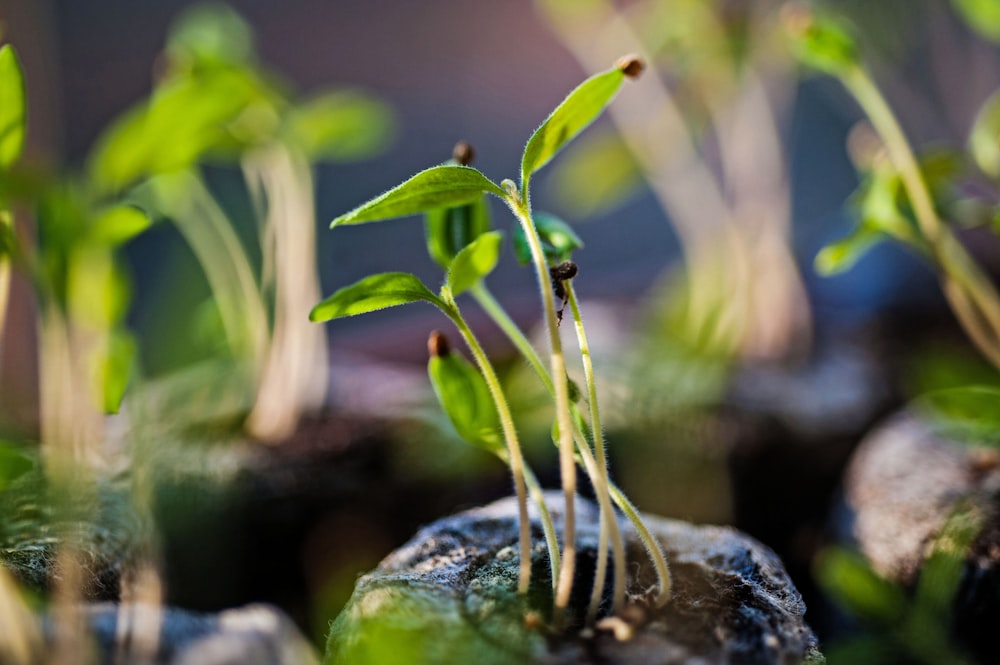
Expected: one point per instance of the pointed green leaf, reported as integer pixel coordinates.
(969, 414)
(116, 369)
(559, 240)
(463, 394)
(186, 119)
(448, 230)
(944, 567)
(819, 40)
(846, 578)
(841, 255)
(341, 126)
(13, 107)
(118, 225)
(210, 34)
(14, 463)
(474, 262)
(372, 293)
(437, 187)
(984, 139)
(580, 108)
(983, 16)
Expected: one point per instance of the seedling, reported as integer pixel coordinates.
(896, 199)
(452, 196)
(214, 102)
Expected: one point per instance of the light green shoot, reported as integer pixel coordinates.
(457, 221)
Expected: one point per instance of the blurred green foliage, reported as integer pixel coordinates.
(901, 625)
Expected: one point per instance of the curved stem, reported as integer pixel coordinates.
(517, 466)
(651, 544)
(548, 527)
(609, 524)
(585, 457)
(567, 465)
(488, 302)
(971, 293)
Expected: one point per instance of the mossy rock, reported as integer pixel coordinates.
(448, 596)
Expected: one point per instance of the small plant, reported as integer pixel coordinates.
(214, 103)
(903, 196)
(453, 198)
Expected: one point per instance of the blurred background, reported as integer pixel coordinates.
(737, 380)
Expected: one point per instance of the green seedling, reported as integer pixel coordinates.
(452, 198)
(897, 199)
(214, 103)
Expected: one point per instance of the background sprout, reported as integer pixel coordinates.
(702, 134)
(215, 103)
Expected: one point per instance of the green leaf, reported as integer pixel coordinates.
(983, 16)
(97, 289)
(14, 463)
(116, 369)
(580, 108)
(474, 262)
(345, 125)
(942, 571)
(984, 139)
(841, 255)
(598, 175)
(13, 107)
(185, 120)
(852, 584)
(559, 240)
(463, 394)
(118, 225)
(970, 414)
(372, 293)
(437, 187)
(820, 41)
(448, 230)
(210, 34)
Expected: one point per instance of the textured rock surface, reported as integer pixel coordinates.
(448, 596)
(251, 635)
(903, 483)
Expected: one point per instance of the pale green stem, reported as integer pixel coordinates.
(651, 544)
(970, 292)
(517, 466)
(586, 458)
(485, 298)
(567, 465)
(207, 231)
(551, 541)
(609, 524)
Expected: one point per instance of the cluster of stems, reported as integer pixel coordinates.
(574, 446)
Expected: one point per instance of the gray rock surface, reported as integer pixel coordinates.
(448, 596)
(902, 484)
(150, 635)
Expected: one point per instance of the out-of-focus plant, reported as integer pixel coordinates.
(215, 104)
(910, 198)
(85, 351)
(703, 134)
(452, 198)
(899, 624)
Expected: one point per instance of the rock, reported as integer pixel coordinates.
(449, 596)
(903, 483)
(146, 634)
